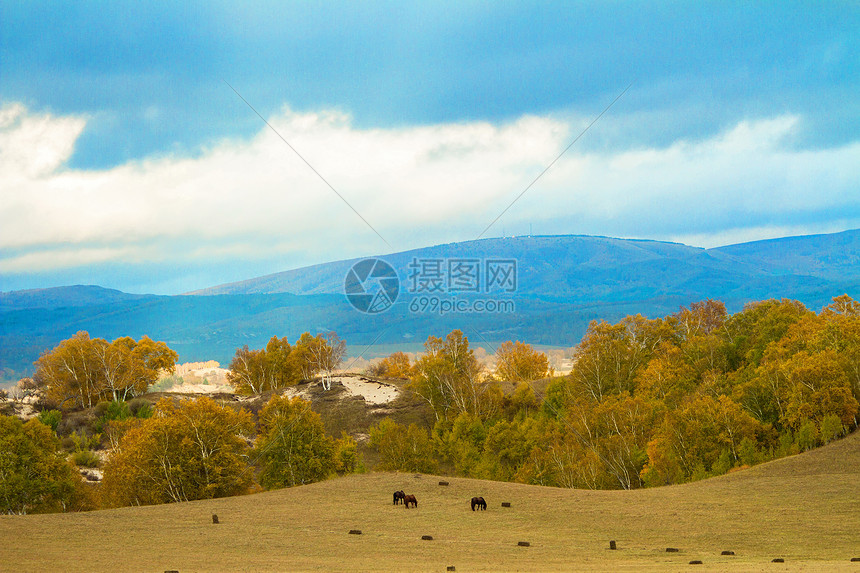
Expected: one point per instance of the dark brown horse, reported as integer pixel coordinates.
(478, 502)
(407, 499)
(398, 497)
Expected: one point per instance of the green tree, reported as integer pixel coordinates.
(194, 450)
(34, 476)
(406, 449)
(292, 445)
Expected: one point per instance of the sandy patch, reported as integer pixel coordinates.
(372, 392)
(201, 389)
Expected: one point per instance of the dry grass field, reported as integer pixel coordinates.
(804, 509)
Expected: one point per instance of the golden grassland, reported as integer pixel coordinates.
(804, 509)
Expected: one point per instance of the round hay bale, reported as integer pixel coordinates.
(523, 544)
(506, 504)
(727, 553)
(696, 562)
(443, 483)
(672, 550)
(214, 518)
(612, 545)
(355, 532)
(427, 537)
(778, 560)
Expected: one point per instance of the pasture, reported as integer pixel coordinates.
(804, 509)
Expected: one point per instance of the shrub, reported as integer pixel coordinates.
(67, 443)
(50, 418)
(86, 459)
(140, 408)
(82, 441)
(166, 383)
(116, 410)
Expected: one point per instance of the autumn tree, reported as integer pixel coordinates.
(34, 476)
(322, 353)
(450, 379)
(396, 365)
(82, 371)
(609, 356)
(194, 450)
(668, 377)
(701, 331)
(257, 371)
(292, 445)
(694, 440)
(520, 362)
(280, 364)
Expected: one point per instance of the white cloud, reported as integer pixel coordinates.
(255, 199)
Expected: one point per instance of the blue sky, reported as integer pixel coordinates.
(126, 160)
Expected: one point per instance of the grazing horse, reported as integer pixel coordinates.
(407, 499)
(398, 497)
(479, 503)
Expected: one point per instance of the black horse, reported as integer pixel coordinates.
(398, 497)
(478, 502)
(407, 499)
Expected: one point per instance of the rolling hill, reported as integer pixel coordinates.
(802, 509)
(562, 283)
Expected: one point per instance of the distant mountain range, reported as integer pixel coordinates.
(562, 282)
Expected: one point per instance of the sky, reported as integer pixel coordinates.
(163, 147)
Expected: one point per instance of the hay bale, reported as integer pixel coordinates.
(214, 518)
(427, 538)
(727, 553)
(672, 550)
(523, 544)
(696, 562)
(778, 560)
(443, 483)
(506, 504)
(855, 560)
(612, 545)
(355, 532)
(451, 568)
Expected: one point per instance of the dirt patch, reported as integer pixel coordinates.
(371, 391)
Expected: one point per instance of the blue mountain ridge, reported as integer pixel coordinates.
(563, 282)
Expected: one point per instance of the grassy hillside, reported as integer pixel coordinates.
(804, 509)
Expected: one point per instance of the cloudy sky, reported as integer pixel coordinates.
(132, 154)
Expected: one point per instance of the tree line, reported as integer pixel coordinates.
(647, 402)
